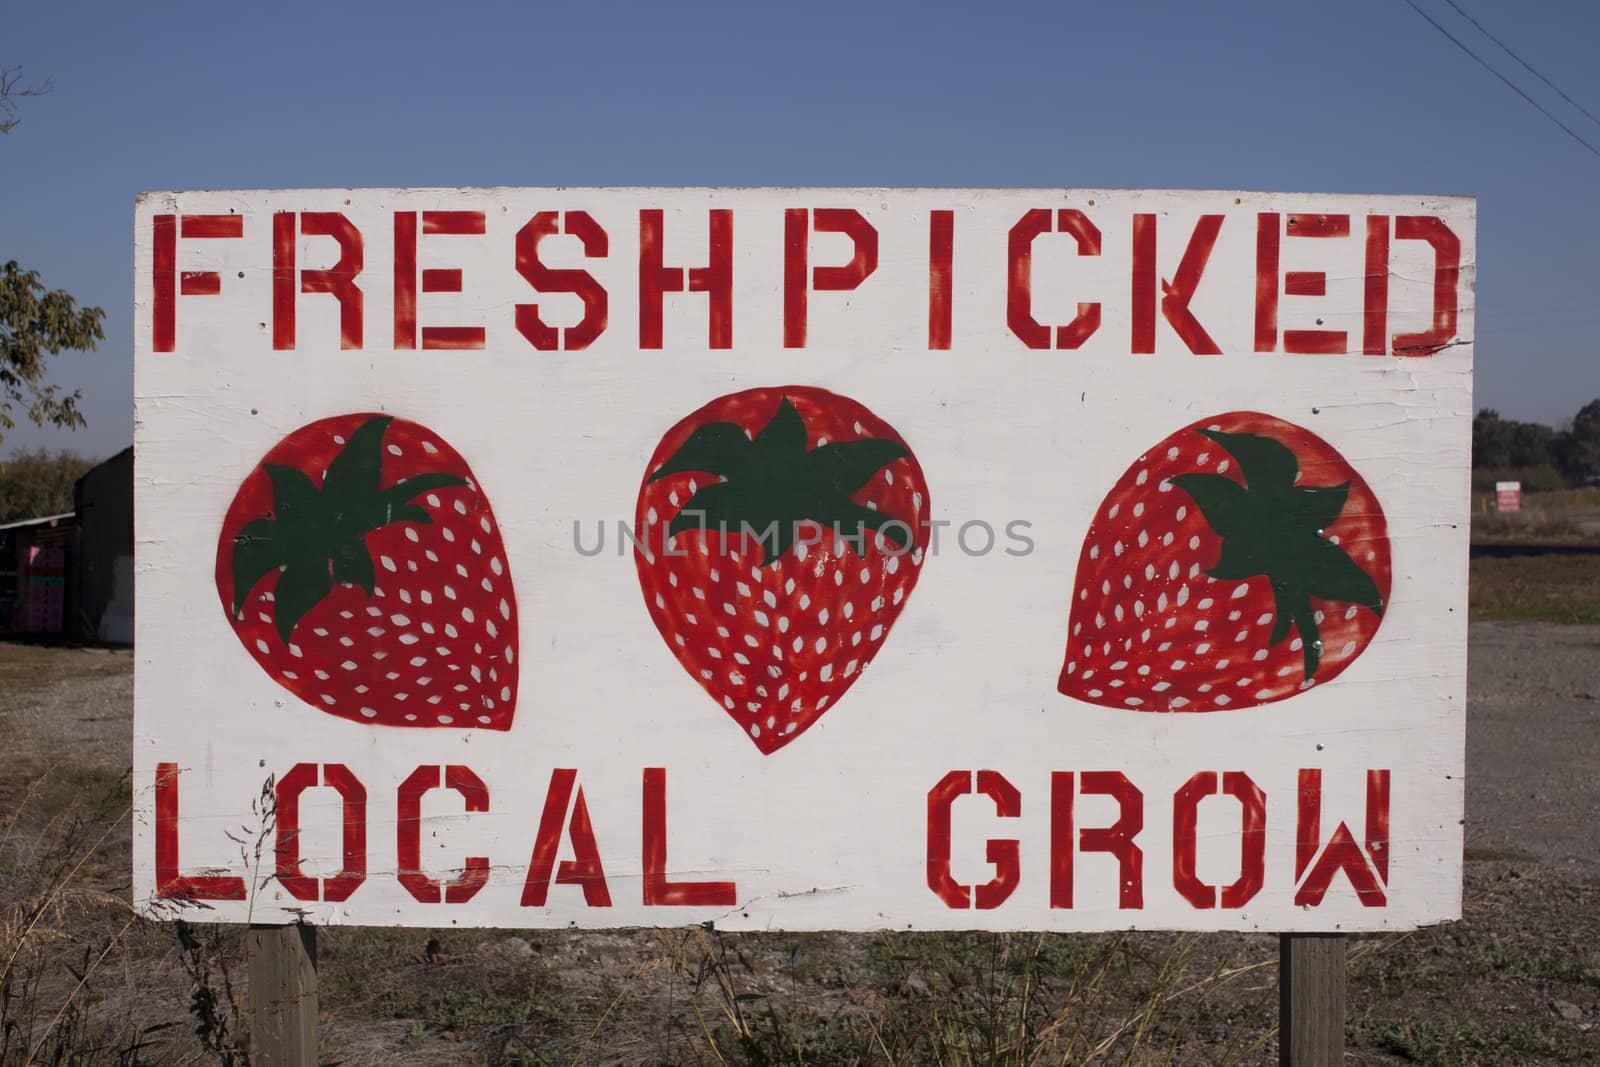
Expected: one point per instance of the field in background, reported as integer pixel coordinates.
(1517, 981)
(1560, 517)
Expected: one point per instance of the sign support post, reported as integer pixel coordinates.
(283, 995)
(1310, 1000)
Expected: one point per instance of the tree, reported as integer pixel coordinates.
(1498, 442)
(35, 322)
(1577, 451)
(12, 90)
(37, 482)
(1489, 447)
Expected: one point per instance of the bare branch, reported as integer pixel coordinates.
(12, 89)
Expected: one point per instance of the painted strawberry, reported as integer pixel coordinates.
(781, 531)
(1236, 563)
(361, 565)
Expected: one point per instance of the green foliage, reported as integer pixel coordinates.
(36, 323)
(39, 482)
(1541, 479)
(1498, 442)
(1577, 452)
(1551, 460)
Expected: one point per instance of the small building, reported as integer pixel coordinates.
(103, 569)
(71, 575)
(36, 557)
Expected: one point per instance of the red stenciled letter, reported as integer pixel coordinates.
(1295, 283)
(1004, 854)
(1117, 839)
(940, 799)
(796, 257)
(1341, 852)
(434, 279)
(657, 889)
(353, 817)
(1177, 293)
(596, 245)
(584, 868)
(941, 274)
(1446, 279)
(715, 279)
(164, 270)
(1268, 242)
(339, 281)
(1375, 306)
(408, 835)
(169, 883)
(1019, 288)
(405, 279)
(1252, 839)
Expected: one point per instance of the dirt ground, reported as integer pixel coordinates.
(1516, 981)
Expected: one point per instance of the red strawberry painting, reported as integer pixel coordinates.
(362, 567)
(1238, 562)
(742, 571)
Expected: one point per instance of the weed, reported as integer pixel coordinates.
(213, 1000)
(57, 930)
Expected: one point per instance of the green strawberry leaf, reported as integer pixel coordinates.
(783, 436)
(850, 520)
(411, 488)
(1264, 462)
(1332, 575)
(1270, 526)
(1223, 502)
(772, 483)
(717, 448)
(257, 552)
(301, 587)
(1319, 506)
(352, 565)
(846, 466)
(355, 471)
(295, 497)
(714, 508)
(318, 535)
(1239, 559)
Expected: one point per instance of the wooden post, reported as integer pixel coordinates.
(1310, 1000)
(283, 995)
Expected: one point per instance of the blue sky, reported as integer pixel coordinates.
(1361, 96)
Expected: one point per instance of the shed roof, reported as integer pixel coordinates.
(103, 463)
(43, 520)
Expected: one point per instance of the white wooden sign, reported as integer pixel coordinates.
(802, 558)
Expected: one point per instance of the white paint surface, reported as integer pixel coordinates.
(829, 832)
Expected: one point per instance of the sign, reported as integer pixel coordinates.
(802, 558)
(1507, 497)
(46, 593)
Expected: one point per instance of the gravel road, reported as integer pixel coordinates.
(74, 703)
(1533, 743)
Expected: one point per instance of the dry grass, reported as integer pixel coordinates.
(1540, 588)
(87, 983)
(703, 997)
(1567, 516)
(63, 930)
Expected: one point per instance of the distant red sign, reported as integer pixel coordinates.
(1507, 497)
